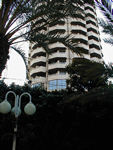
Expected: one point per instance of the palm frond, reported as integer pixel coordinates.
(109, 40)
(105, 12)
(43, 40)
(107, 27)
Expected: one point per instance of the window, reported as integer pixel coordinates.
(61, 84)
(52, 85)
(38, 85)
(57, 84)
(62, 72)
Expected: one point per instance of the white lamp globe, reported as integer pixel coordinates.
(5, 107)
(30, 108)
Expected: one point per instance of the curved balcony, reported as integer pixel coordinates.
(88, 11)
(94, 50)
(90, 33)
(83, 45)
(90, 6)
(98, 47)
(38, 80)
(57, 31)
(57, 44)
(75, 23)
(93, 41)
(38, 50)
(57, 59)
(95, 55)
(38, 74)
(58, 77)
(92, 26)
(78, 20)
(80, 38)
(58, 54)
(57, 65)
(96, 59)
(37, 59)
(90, 18)
(37, 69)
(79, 28)
(58, 27)
(78, 15)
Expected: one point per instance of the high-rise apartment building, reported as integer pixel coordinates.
(49, 70)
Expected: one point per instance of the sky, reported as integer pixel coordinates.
(15, 69)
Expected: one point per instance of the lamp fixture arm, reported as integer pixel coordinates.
(25, 93)
(9, 93)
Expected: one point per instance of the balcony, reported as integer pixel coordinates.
(57, 44)
(38, 59)
(77, 27)
(90, 33)
(89, 5)
(83, 45)
(93, 41)
(94, 50)
(38, 80)
(58, 27)
(92, 19)
(92, 26)
(37, 69)
(40, 49)
(58, 54)
(57, 76)
(91, 12)
(57, 65)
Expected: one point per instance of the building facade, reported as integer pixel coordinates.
(49, 70)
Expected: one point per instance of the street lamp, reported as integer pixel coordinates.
(5, 107)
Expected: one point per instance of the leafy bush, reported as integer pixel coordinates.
(62, 120)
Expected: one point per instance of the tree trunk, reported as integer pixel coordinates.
(4, 52)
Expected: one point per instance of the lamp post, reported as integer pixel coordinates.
(5, 107)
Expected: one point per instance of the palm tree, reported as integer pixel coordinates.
(17, 15)
(107, 25)
(40, 37)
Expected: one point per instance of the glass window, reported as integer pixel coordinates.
(61, 84)
(36, 85)
(52, 85)
(57, 84)
(62, 72)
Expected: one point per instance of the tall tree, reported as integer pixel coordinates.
(86, 75)
(42, 37)
(17, 15)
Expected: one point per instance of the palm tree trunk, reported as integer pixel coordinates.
(4, 52)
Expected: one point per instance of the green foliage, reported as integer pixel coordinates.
(62, 121)
(107, 25)
(57, 14)
(86, 75)
(28, 12)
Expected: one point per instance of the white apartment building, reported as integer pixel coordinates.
(49, 70)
